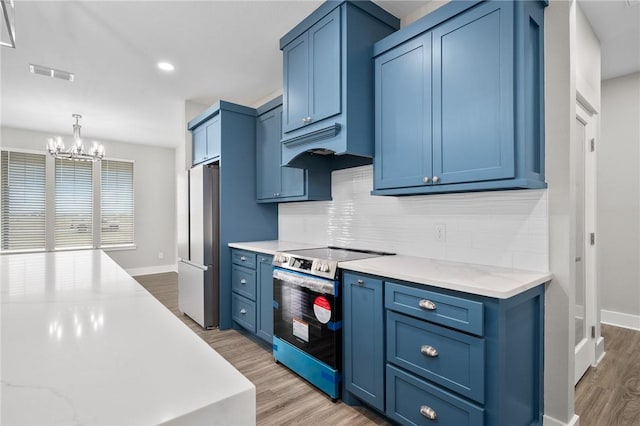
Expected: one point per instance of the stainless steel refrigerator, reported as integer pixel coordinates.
(198, 276)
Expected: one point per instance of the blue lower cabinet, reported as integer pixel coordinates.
(426, 355)
(363, 335)
(243, 311)
(444, 356)
(412, 401)
(252, 292)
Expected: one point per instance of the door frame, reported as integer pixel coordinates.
(586, 350)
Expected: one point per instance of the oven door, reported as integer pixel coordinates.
(307, 314)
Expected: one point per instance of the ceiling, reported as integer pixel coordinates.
(220, 49)
(617, 25)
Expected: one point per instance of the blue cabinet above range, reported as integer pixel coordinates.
(328, 85)
(459, 100)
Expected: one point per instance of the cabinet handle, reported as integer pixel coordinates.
(428, 351)
(243, 311)
(427, 304)
(360, 282)
(428, 412)
(307, 120)
(436, 179)
(243, 281)
(425, 179)
(242, 258)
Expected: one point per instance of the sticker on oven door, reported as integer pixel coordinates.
(322, 309)
(301, 329)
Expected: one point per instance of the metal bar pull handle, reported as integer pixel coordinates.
(242, 258)
(429, 351)
(427, 304)
(428, 412)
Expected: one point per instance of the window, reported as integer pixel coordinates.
(83, 205)
(74, 204)
(116, 203)
(23, 200)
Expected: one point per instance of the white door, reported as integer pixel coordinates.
(583, 165)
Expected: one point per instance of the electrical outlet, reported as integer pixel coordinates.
(441, 232)
(160, 255)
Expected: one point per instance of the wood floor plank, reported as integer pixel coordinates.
(282, 397)
(609, 394)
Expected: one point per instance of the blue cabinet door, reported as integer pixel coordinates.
(296, 83)
(324, 68)
(364, 338)
(199, 145)
(403, 115)
(268, 154)
(265, 298)
(473, 107)
(213, 137)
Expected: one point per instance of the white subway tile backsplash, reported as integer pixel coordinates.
(501, 228)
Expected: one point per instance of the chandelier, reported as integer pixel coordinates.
(55, 146)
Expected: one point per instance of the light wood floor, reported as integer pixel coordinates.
(610, 394)
(282, 397)
(606, 396)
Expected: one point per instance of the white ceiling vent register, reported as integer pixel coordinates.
(7, 23)
(50, 72)
(55, 146)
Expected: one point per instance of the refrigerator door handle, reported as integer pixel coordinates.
(195, 265)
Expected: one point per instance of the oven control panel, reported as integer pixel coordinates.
(317, 267)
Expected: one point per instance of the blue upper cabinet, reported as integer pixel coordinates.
(328, 85)
(312, 74)
(206, 140)
(276, 184)
(459, 101)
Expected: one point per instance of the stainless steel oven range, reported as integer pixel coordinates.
(307, 313)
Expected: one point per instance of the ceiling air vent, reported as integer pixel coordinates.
(50, 72)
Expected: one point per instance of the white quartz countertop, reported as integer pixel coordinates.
(490, 281)
(84, 343)
(271, 247)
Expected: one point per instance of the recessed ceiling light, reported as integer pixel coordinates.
(166, 66)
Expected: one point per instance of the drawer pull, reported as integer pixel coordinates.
(427, 304)
(243, 311)
(429, 351)
(360, 282)
(428, 412)
(243, 281)
(242, 258)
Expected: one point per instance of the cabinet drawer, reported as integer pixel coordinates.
(452, 359)
(409, 400)
(243, 311)
(244, 258)
(451, 311)
(243, 281)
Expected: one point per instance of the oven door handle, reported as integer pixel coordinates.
(319, 285)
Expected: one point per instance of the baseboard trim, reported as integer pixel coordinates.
(620, 319)
(600, 353)
(550, 421)
(160, 269)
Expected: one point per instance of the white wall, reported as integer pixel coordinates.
(619, 201)
(502, 228)
(154, 197)
(587, 61)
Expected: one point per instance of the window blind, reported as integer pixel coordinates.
(74, 204)
(116, 198)
(22, 196)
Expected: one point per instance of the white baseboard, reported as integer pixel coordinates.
(550, 421)
(600, 353)
(620, 319)
(160, 269)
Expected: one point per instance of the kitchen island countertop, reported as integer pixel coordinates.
(84, 343)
